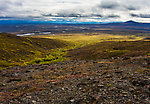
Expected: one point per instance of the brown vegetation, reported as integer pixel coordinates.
(111, 49)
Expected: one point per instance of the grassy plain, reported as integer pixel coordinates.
(83, 39)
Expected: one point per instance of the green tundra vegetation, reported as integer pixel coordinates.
(16, 50)
(45, 49)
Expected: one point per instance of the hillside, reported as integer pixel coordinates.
(103, 69)
(112, 49)
(16, 50)
(106, 81)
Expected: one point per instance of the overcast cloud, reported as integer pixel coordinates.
(78, 10)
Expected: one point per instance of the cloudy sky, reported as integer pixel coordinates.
(77, 10)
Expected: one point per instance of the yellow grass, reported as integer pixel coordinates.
(83, 39)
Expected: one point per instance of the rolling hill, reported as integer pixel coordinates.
(111, 49)
(15, 50)
(113, 70)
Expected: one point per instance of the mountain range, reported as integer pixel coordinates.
(28, 26)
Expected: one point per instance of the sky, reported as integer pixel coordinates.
(76, 10)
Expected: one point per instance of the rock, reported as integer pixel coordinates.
(115, 58)
(118, 71)
(101, 86)
(72, 100)
(108, 76)
(27, 71)
(33, 101)
(14, 79)
(140, 82)
(126, 58)
(81, 84)
(29, 97)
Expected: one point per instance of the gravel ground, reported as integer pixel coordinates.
(113, 81)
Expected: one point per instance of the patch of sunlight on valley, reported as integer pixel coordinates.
(81, 39)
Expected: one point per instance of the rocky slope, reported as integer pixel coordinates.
(106, 81)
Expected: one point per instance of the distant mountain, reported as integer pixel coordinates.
(125, 23)
(26, 26)
(130, 22)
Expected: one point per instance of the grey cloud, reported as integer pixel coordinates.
(108, 5)
(141, 15)
(131, 8)
(145, 15)
(3, 8)
(47, 15)
(62, 15)
(81, 15)
(113, 16)
(134, 15)
(97, 15)
(19, 3)
(68, 15)
(115, 9)
(65, 14)
(7, 5)
(119, 6)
